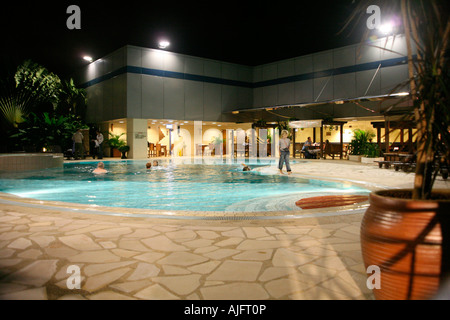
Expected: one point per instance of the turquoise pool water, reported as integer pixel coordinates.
(217, 186)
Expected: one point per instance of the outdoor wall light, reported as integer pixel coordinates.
(88, 59)
(163, 44)
(386, 28)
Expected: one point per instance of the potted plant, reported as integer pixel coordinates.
(116, 144)
(406, 232)
(359, 144)
(371, 154)
(217, 142)
(124, 149)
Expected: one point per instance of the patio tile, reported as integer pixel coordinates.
(144, 271)
(156, 292)
(163, 243)
(35, 274)
(236, 271)
(30, 294)
(80, 242)
(94, 257)
(98, 282)
(182, 259)
(235, 291)
(287, 258)
(181, 285)
(94, 269)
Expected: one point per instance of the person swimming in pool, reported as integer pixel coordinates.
(155, 163)
(246, 167)
(100, 169)
(148, 165)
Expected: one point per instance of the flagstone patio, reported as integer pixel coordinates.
(138, 258)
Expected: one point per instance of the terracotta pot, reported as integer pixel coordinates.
(409, 241)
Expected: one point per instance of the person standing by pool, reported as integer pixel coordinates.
(78, 140)
(100, 140)
(284, 152)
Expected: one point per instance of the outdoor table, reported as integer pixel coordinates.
(405, 157)
(391, 157)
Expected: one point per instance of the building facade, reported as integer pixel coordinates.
(136, 88)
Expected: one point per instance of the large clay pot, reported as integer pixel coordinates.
(409, 241)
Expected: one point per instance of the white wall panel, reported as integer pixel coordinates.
(244, 98)
(257, 74)
(212, 102)
(173, 99)
(119, 87)
(152, 97)
(134, 56)
(286, 68)
(212, 68)
(304, 65)
(286, 93)
(395, 48)
(230, 99)
(258, 97)
(344, 57)
(364, 79)
(323, 89)
(391, 77)
(323, 61)
(134, 96)
(118, 60)
(368, 53)
(193, 100)
(270, 72)
(173, 62)
(245, 74)
(153, 59)
(229, 71)
(95, 106)
(108, 95)
(270, 96)
(304, 91)
(344, 86)
(194, 66)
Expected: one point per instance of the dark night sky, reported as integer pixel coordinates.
(244, 32)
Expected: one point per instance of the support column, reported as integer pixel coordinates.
(137, 138)
(321, 141)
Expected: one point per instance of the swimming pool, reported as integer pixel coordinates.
(173, 186)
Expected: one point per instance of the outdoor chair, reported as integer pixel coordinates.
(151, 150)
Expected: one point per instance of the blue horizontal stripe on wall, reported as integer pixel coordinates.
(244, 84)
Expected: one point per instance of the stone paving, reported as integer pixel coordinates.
(140, 258)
